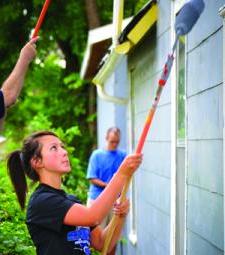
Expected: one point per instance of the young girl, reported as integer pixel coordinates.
(57, 222)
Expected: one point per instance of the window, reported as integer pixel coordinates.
(178, 181)
(180, 149)
(181, 91)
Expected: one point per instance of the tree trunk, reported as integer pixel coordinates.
(92, 14)
(72, 62)
(93, 22)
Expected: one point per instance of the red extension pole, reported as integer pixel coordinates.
(41, 18)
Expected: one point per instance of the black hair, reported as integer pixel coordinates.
(19, 164)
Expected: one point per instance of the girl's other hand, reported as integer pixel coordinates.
(121, 209)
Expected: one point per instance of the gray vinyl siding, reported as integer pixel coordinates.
(204, 131)
(205, 227)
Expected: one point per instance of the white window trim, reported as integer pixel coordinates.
(175, 7)
(173, 143)
(183, 143)
(222, 14)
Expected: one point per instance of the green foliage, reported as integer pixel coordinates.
(140, 4)
(54, 96)
(38, 110)
(130, 8)
(14, 237)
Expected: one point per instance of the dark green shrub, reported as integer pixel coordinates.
(14, 237)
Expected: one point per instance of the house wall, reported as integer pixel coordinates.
(205, 227)
(204, 138)
(152, 180)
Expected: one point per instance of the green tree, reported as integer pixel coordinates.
(54, 96)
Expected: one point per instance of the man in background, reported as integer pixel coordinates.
(102, 165)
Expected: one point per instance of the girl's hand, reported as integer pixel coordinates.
(28, 52)
(121, 209)
(130, 164)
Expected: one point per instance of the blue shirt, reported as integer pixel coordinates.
(102, 165)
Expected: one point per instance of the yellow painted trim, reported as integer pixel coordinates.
(143, 25)
(117, 53)
(124, 48)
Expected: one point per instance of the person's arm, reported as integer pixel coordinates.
(93, 170)
(98, 235)
(98, 182)
(79, 215)
(12, 86)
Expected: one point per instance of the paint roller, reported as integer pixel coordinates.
(188, 16)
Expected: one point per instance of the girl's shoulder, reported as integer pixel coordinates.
(46, 199)
(45, 194)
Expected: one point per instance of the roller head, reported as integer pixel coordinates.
(188, 16)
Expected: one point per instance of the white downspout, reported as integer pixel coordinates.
(118, 9)
(105, 96)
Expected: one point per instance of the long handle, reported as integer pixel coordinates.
(41, 18)
(161, 83)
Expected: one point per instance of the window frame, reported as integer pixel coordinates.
(222, 14)
(175, 7)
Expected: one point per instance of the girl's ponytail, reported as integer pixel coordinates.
(16, 171)
(19, 164)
